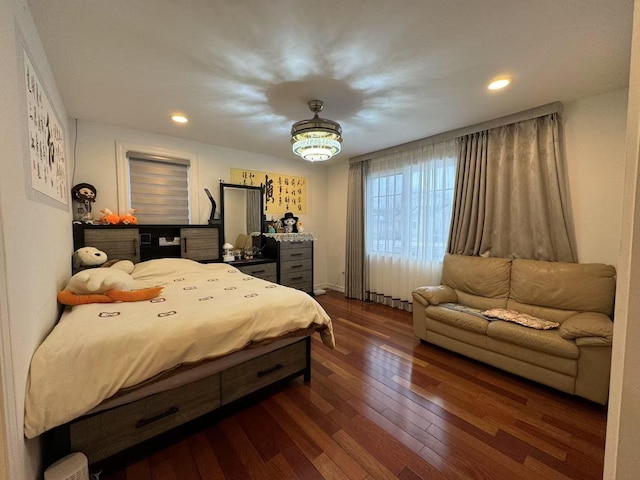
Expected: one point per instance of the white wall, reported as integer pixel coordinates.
(33, 266)
(96, 164)
(594, 139)
(337, 210)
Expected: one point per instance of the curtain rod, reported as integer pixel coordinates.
(555, 107)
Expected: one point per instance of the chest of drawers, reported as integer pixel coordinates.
(294, 263)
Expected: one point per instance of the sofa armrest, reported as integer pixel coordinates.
(587, 324)
(435, 295)
(593, 342)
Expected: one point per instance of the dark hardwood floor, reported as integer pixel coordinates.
(384, 406)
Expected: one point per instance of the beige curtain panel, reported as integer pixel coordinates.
(511, 197)
(356, 271)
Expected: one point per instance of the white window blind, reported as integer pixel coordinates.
(159, 188)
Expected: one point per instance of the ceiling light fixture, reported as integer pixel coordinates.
(317, 139)
(179, 118)
(499, 83)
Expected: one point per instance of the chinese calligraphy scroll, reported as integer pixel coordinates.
(47, 151)
(283, 193)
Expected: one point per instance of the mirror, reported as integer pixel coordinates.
(241, 211)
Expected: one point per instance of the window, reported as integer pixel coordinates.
(159, 189)
(408, 203)
(159, 184)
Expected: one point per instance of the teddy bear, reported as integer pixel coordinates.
(103, 285)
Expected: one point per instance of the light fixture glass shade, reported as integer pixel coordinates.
(317, 139)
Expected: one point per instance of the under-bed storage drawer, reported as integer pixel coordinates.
(254, 374)
(110, 432)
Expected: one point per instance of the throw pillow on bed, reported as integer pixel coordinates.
(520, 318)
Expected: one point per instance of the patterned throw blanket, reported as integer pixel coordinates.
(521, 319)
(505, 315)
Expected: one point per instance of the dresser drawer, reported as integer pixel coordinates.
(110, 432)
(296, 277)
(266, 271)
(296, 266)
(262, 371)
(295, 251)
(305, 286)
(118, 244)
(200, 243)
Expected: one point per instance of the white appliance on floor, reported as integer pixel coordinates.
(72, 467)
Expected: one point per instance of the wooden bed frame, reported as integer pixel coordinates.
(180, 396)
(157, 406)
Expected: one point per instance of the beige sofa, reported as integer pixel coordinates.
(574, 357)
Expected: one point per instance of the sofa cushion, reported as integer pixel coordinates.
(548, 341)
(457, 318)
(483, 303)
(552, 314)
(480, 276)
(568, 286)
(460, 335)
(533, 358)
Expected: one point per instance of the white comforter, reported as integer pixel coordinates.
(204, 311)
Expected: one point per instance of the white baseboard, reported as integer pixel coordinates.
(331, 286)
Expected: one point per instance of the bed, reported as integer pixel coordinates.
(110, 376)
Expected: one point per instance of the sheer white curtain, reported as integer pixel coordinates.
(408, 203)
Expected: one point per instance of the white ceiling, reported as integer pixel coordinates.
(388, 71)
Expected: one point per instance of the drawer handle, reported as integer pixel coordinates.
(297, 254)
(185, 245)
(297, 266)
(262, 373)
(146, 421)
(259, 271)
(297, 278)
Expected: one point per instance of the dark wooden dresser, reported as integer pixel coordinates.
(294, 262)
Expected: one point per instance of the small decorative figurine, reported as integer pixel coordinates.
(83, 195)
(289, 222)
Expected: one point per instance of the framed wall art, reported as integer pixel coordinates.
(46, 137)
(283, 193)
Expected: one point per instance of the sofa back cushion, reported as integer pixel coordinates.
(477, 276)
(583, 287)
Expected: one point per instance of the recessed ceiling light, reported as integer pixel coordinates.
(179, 118)
(499, 83)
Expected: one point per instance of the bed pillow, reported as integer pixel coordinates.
(162, 267)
